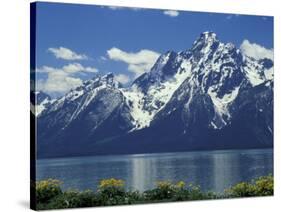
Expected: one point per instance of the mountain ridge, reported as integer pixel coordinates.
(193, 95)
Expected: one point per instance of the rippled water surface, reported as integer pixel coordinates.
(212, 170)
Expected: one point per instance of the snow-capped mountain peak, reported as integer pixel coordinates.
(73, 103)
(205, 41)
(209, 87)
(39, 101)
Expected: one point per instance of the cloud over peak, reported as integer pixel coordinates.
(66, 54)
(58, 82)
(255, 50)
(71, 68)
(138, 62)
(61, 80)
(122, 78)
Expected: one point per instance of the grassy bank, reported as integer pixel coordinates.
(49, 194)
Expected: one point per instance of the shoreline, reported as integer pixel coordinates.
(49, 194)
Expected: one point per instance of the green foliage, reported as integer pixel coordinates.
(167, 191)
(164, 190)
(112, 192)
(47, 189)
(262, 186)
(71, 199)
(134, 197)
(241, 190)
(111, 187)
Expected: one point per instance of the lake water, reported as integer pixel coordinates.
(212, 170)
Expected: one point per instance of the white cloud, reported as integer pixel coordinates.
(171, 13)
(115, 7)
(77, 67)
(61, 80)
(122, 78)
(255, 50)
(121, 8)
(70, 68)
(58, 82)
(138, 62)
(67, 54)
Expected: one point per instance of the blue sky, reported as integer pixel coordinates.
(83, 40)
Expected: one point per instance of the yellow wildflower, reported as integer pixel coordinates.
(164, 184)
(180, 184)
(112, 182)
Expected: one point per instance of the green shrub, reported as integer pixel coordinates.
(72, 199)
(163, 191)
(133, 197)
(112, 192)
(241, 190)
(111, 187)
(264, 186)
(47, 189)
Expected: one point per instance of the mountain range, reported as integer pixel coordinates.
(211, 96)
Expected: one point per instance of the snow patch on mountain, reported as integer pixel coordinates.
(39, 102)
(222, 104)
(73, 103)
(84, 103)
(254, 71)
(144, 106)
(269, 74)
(135, 100)
(210, 68)
(42, 106)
